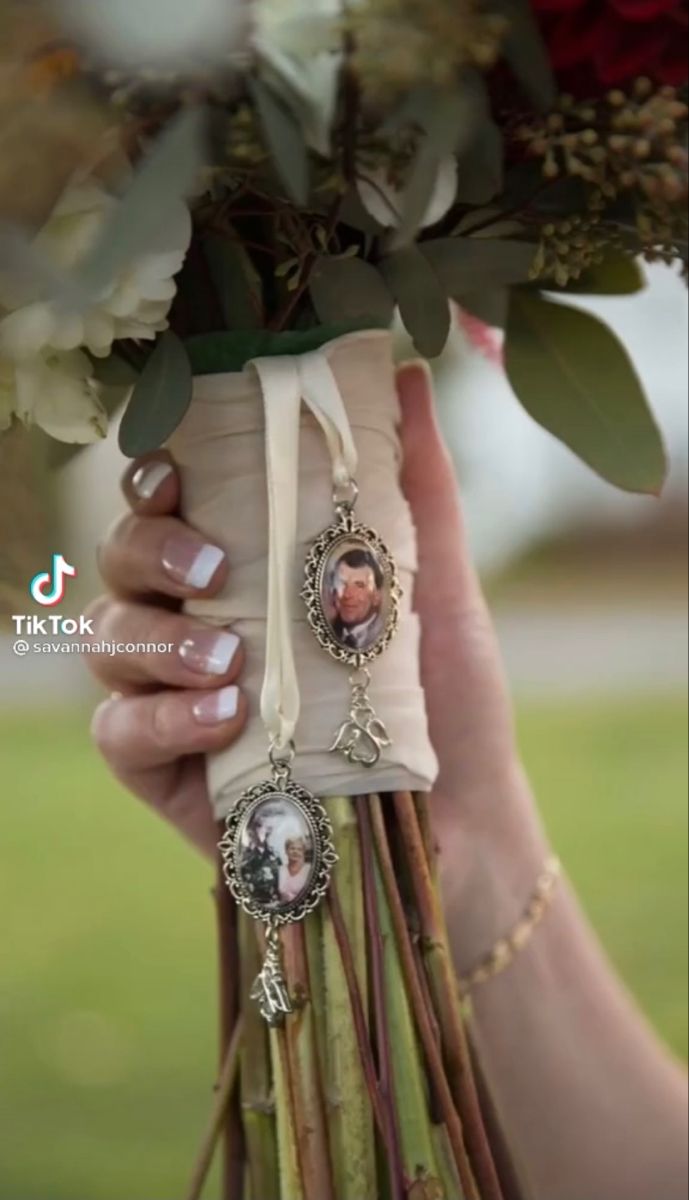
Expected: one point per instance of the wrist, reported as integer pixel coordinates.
(488, 869)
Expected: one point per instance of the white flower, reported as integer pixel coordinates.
(137, 303)
(56, 392)
(384, 202)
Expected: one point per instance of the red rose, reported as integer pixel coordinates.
(607, 43)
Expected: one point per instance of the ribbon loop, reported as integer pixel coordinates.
(285, 382)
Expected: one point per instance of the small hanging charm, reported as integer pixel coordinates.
(278, 856)
(352, 595)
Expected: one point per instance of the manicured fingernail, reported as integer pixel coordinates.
(191, 562)
(218, 707)
(149, 478)
(209, 652)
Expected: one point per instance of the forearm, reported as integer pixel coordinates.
(593, 1106)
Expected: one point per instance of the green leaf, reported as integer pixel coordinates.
(237, 282)
(617, 275)
(462, 263)
(422, 300)
(114, 371)
(449, 121)
(575, 378)
(480, 167)
(354, 214)
(349, 289)
(160, 399)
(151, 202)
(284, 139)
(527, 53)
(488, 304)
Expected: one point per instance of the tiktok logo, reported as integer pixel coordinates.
(48, 588)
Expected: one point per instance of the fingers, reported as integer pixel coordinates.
(428, 475)
(160, 554)
(163, 648)
(429, 482)
(459, 653)
(151, 485)
(144, 733)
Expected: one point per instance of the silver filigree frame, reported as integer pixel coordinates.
(325, 856)
(347, 529)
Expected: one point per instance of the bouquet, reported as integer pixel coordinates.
(270, 175)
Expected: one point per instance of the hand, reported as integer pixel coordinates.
(153, 741)
(168, 709)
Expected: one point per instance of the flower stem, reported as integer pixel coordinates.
(256, 1087)
(414, 990)
(350, 1111)
(228, 953)
(380, 1013)
(446, 998)
(225, 1087)
(304, 1072)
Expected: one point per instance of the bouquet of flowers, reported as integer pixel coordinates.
(174, 194)
(321, 166)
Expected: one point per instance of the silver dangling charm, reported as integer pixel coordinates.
(270, 987)
(362, 737)
(352, 595)
(278, 855)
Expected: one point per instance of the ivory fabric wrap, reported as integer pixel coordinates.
(220, 450)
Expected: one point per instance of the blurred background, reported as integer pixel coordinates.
(108, 996)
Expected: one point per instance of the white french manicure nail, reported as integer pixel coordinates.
(149, 478)
(218, 707)
(209, 652)
(204, 566)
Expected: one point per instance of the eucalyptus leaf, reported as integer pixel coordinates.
(449, 120)
(349, 289)
(422, 300)
(574, 377)
(527, 53)
(354, 214)
(152, 200)
(284, 139)
(160, 399)
(418, 192)
(114, 371)
(463, 263)
(617, 275)
(480, 167)
(236, 281)
(489, 304)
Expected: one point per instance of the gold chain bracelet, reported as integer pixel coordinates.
(506, 950)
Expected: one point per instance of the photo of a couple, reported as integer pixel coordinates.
(276, 863)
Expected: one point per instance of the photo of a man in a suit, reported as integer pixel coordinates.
(356, 599)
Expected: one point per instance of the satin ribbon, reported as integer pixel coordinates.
(285, 382)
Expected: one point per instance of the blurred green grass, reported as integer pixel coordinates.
(107, 1000)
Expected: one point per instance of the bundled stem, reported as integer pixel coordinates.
(371, 1076)
(445, 997)
(256, 1087)
(225, 1087)
(303, 1069)
(379, 1004)
(230, 1008)
(424, 1019)
(347, 1090)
